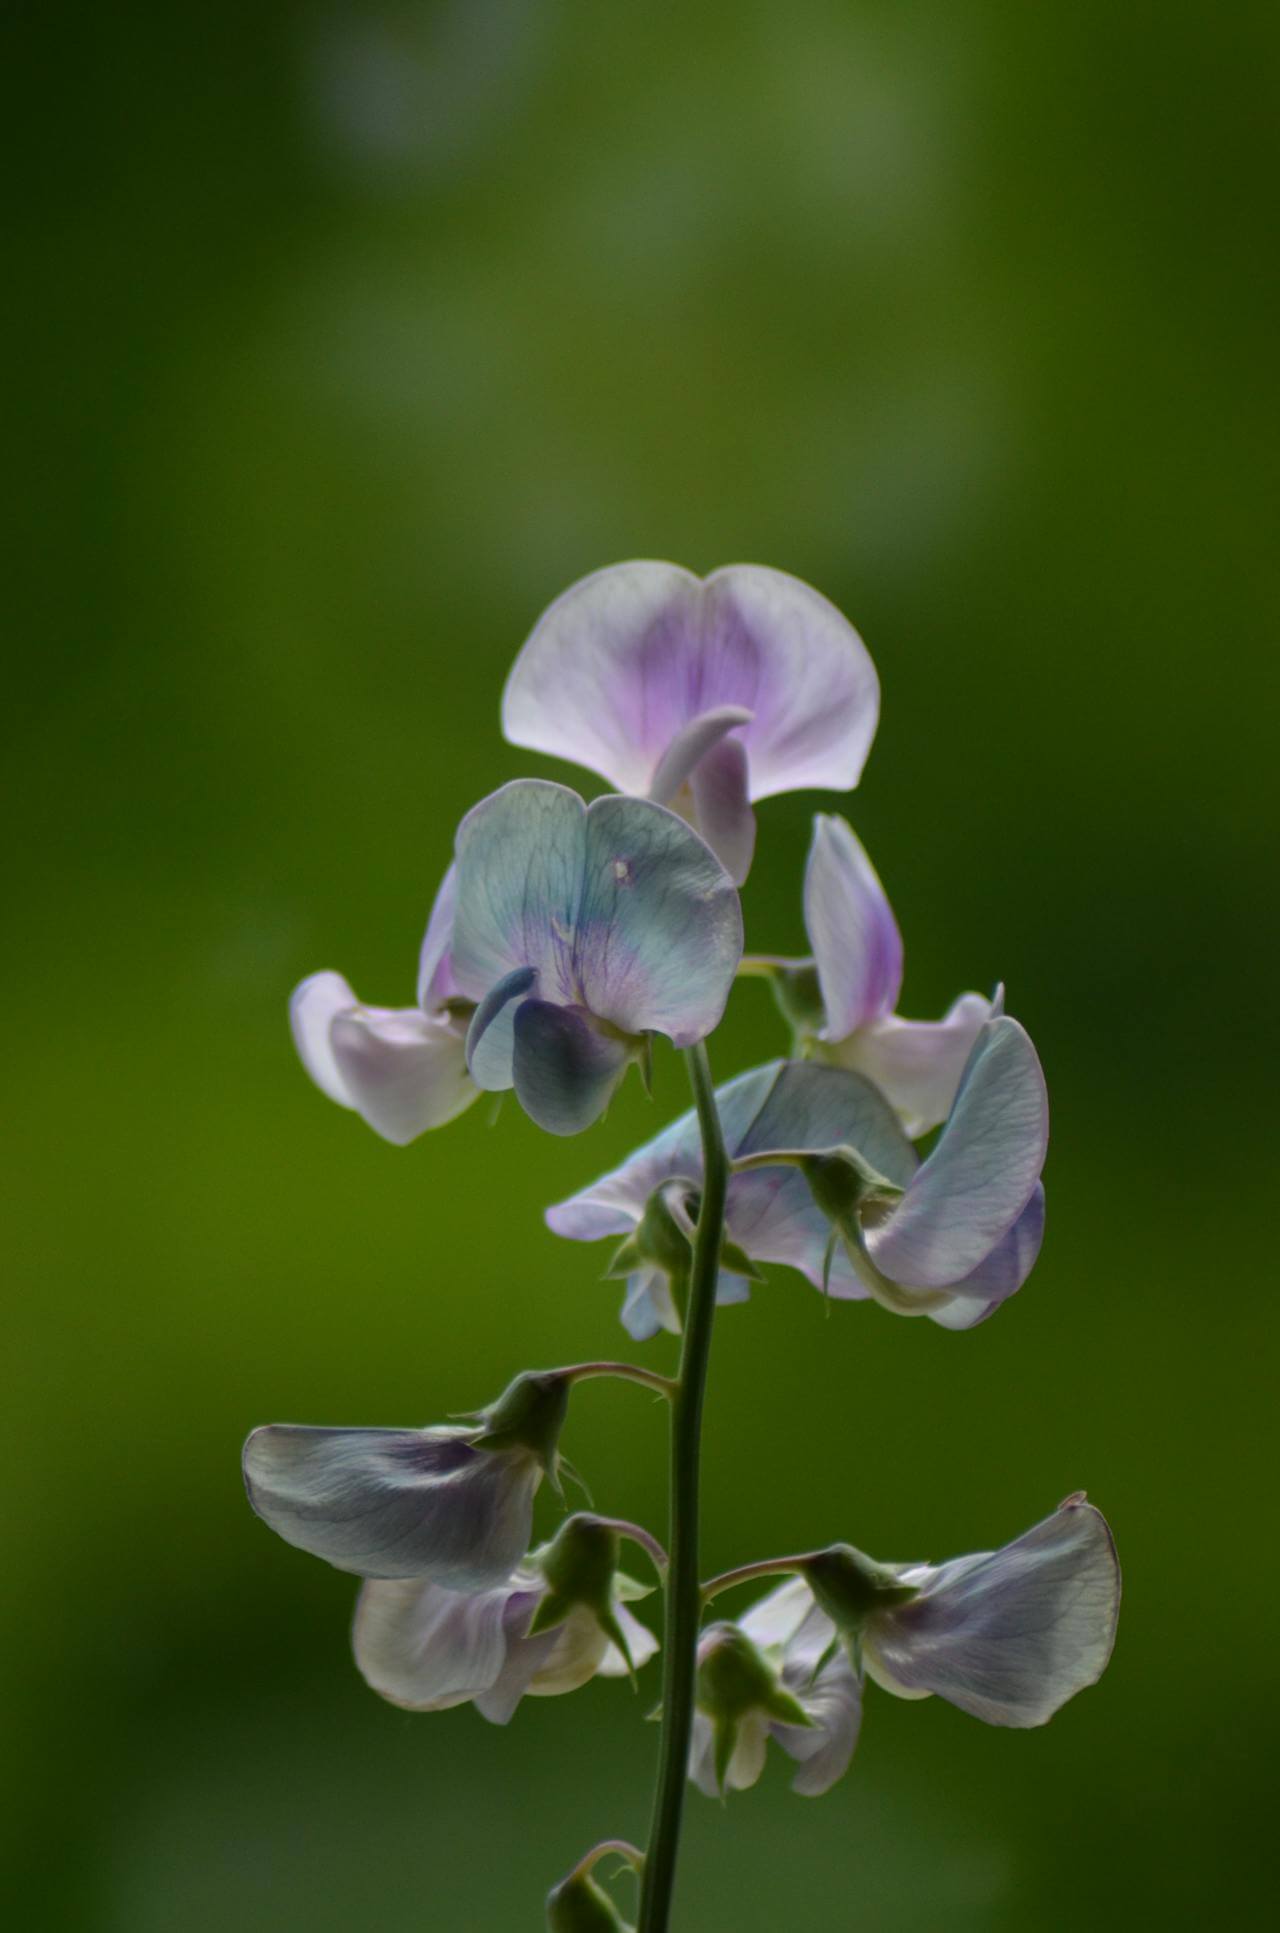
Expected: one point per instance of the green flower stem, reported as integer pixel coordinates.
(625, 1372)
(684, 1594)
(746, 1573)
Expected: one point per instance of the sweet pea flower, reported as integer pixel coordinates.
(771, 1215)
(1007, 1635)
(404, 1069)
(841, 1000)
(427, 1648)
(580, 930)
(759, 1679)
(701, 693)
(452, 1505)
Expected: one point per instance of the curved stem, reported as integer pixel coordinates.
(625, 1372)
(684, 1595)
(746, 1573)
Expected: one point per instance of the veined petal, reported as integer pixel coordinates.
(426, 1648)
(1012, 1634)
(435, 963)
(857, 947)
(406, 1071)
(980, 1177)
(628, 657)
(565, 1066)
(520, 857)
(491, 1036)
(916, 1064)
(659, 927)
(1000, 1274)
(314, 1005)
(395, 1503)
(721, 794)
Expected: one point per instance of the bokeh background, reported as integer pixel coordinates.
(348, 335)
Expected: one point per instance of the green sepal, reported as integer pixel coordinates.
(738, 1262)
(577, 1905)
(849, 1586)
(529, 1415)
(796, 988)
(552, 1611)
(629, 1590)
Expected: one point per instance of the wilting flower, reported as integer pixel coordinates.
(452, 1505)
(579, 930)
(703, 694)
(758, 1681)
(841, 1001)
(403, 1068)
(427, 1648)
(771, 1215)
(1008, 1635)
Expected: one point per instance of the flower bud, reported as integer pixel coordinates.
(577, 1905)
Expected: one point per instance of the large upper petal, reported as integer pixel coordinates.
(916, 1064)
(857, 947)
(435, 962)
(520, 856)
(626, 658)
(395, 1503)
(1012, 1634)
(659, 928)
(427, 1648)
(980, 1176)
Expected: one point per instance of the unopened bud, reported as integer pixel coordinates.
(577, 1905)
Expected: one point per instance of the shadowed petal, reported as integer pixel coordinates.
(916, 1064)
(857, 947)
(435, 963)
(405, 1071)
(395, 1503)
(565, 1067)
(659, 933)
(426, 1648)
(833, 1702)
(722, 807)
(491, 1039)
(1012, 1634)
(979, 1178)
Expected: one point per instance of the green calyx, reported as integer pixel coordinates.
(796, 989)
(580, 1565)
(842, 1184)
(849, 1587)
(529, 1415)
(735, 1678)
(663, 1239)
(577, 1905)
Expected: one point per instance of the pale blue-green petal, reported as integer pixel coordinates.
(491, 1035)
(659, 931)
(520, 856)
(565, 1068)
(1000, 1274)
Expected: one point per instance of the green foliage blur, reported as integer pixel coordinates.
(345, 336)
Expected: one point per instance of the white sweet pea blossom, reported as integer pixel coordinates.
(759, 1679)
(404, 1069)
(701, 693)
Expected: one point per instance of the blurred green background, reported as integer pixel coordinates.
(347, 336)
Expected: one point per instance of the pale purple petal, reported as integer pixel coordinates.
(916, 1064)
(523, 1657)
(435, 964)
(1010, 1635)
(659, 927)
(565, 1067)
(624, 660)
(395, 1503)
(722, 807)
(404, 1070)
(857, 947)
(689, 747)
(426, 1648)
(1000, 1274)
(314, 1005)
(981, 1175)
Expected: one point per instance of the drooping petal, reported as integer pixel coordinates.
(435, 963)
(1013, 1634)
(426, 1648)
(648, 1306)
(916, 1064)
(691, 744)
(981, 1175)
(576, 1655)
(720, 791)
(565, 1066)
(1000, 1274)
(314, 1005)
(406, 1071)
(640, 1642)
(520, 857)
(857, 947)
(628, 657)
(659, 927)
(833, 1704)
(395, 1503)
(491, 1035)
(523, 1657)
